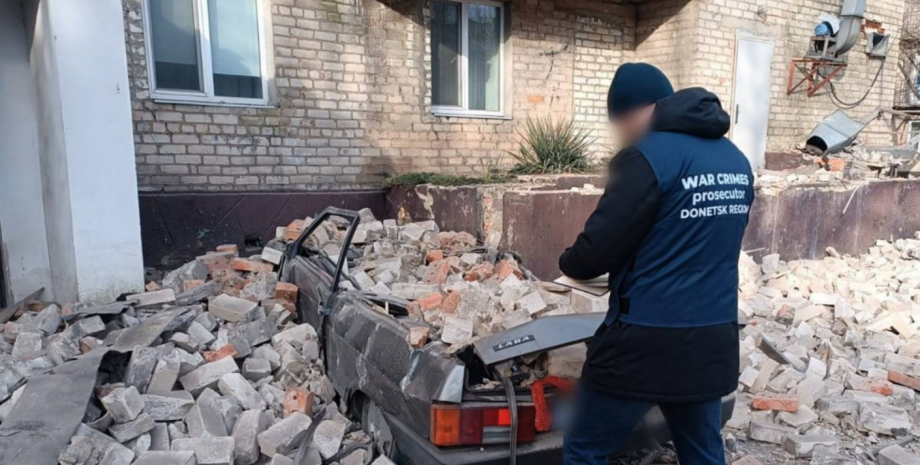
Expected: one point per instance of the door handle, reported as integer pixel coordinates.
(737, 112)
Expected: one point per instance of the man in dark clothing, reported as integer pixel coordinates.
(668, 230)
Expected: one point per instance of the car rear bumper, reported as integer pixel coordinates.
(414, 449)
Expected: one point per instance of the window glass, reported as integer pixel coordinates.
(234, 27)
(484, 57)
(445, 53)
(175, 49)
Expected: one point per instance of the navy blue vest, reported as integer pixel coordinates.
(685, 272)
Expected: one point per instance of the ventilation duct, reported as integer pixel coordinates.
(851, 19)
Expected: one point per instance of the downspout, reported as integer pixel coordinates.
(851, 18)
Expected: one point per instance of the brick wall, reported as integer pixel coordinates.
(790, 24)
(352, 87)
(353, 98)
(665, 37)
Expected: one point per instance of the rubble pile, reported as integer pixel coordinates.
(830, 356)
(464, 292)
(227, 378)
(854, 165)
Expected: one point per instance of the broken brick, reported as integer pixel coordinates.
(451, 302)
(286, 291)
(226, 351)
(418, 336)
(437, 272)
(241, 264)
(836, 164)
(430, 301)
(479, 272)
(229, 248)
(777, 403)
(293, 230)
(192, 284)
(298, 400)
(215, 263)
(878, 386)
(904, 380)
(152, 286)
(504, 268)
(434, 256)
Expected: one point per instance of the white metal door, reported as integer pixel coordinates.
(751, 99)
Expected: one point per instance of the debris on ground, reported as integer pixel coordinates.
(830, 357)
(209, 366)
(213, 370)
(848, 168)
(213, 365)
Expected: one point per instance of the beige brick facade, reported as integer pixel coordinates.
(351, 87)
(353, 98)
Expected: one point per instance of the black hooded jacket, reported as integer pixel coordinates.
(641, 362)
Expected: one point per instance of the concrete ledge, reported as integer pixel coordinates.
(176, 228)
(799, 222)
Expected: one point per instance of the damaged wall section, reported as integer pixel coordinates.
(796, 223)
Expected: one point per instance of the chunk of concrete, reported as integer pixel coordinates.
(208, 451)
(234, 385)
(208, 375)
(124, 432)
(805, 445)
(140, 368)
(165, 375)
(28, 345)
(166, 458)
(159, 437)
(168, 406)
(255, 369)
(245, 435)
(123, 404)
(234, 309)
(768, 432)
(897, 455)
(456, 330)
(279, 459)
(153, 299)
(883, 419)
(327, 438)
(532, 303)
(413, 291)
(116, 454)
(798, 419)
(191, 271)
(48, 320)
(203, 420)
(285, 435)
(837, 405)
(200, 334)
(295, 336)
(272, 256)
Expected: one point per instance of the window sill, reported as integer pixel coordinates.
(468, 114)
(214, 103)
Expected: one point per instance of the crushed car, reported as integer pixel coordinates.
(426, 401)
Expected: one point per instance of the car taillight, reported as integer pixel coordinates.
(456, 425)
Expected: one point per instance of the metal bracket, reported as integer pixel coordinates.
(810, 69)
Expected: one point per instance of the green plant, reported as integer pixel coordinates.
(414, 179)
(491, 168)
(552, 147)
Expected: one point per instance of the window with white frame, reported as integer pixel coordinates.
(467, 41)
(206, 51)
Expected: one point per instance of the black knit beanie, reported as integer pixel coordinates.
(636, 85)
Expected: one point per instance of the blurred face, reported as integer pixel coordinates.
(631, 127)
